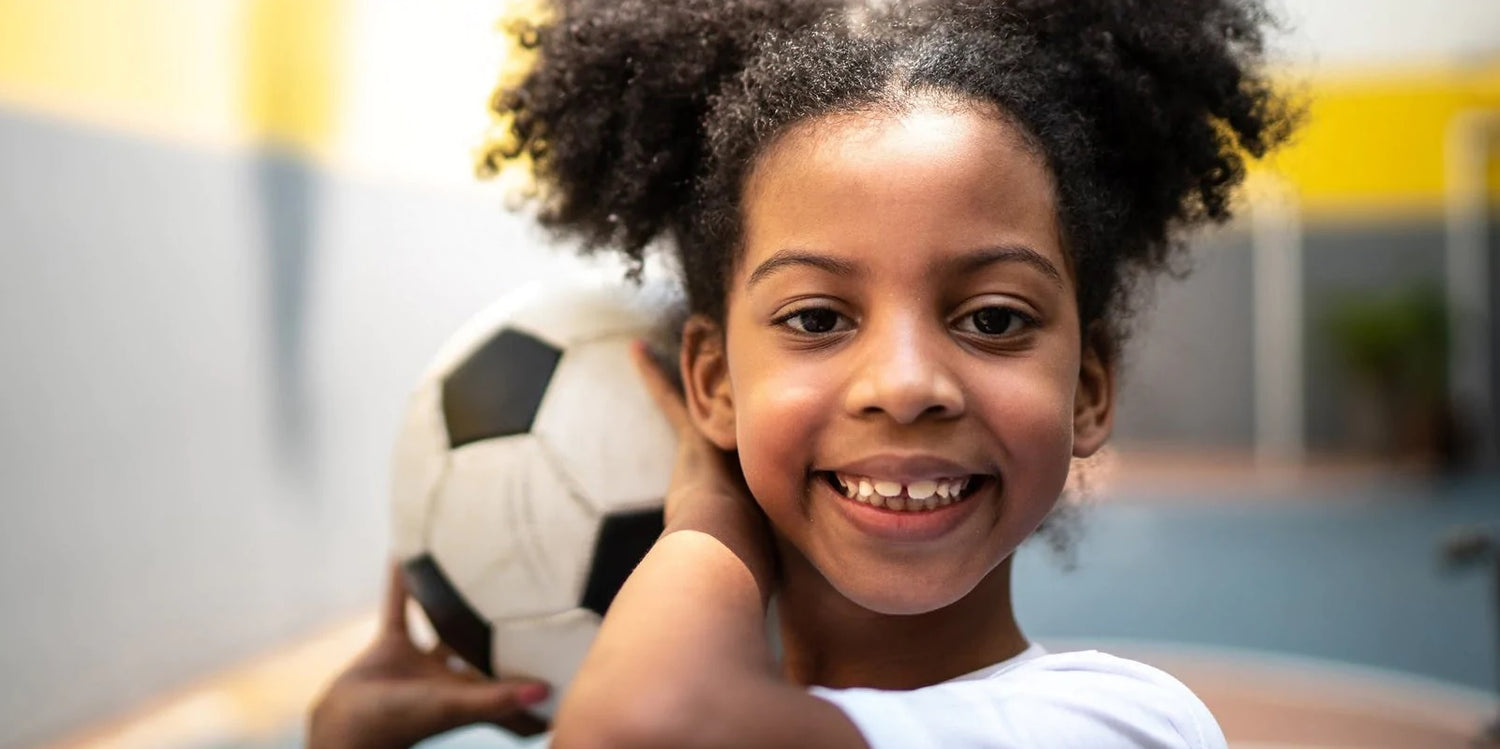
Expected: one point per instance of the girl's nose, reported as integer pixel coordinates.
(903, 373)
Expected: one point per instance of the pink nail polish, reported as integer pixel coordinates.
(531, 694)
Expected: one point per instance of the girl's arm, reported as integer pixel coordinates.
(682, 658)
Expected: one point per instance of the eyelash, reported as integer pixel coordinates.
(1027, 321)
(786, 319)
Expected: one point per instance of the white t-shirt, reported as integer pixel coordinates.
(1036, 700)
(1085, 699)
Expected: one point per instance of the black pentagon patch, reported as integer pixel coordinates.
(458, 624)
(624, 539)
(496, 391)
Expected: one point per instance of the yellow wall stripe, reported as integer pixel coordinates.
(220, 70)
(293, 70)
(154, 64)
(1375, 141)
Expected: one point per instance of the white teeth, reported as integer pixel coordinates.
(918, 496)
(956, 487)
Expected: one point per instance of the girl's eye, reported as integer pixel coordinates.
(994, 321)
(815, 321)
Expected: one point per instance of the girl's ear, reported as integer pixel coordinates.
(1094, 401)
(705, 381)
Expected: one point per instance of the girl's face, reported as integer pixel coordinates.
(901, 327)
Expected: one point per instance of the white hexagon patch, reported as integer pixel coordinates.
(576, 311)
(604, 431)
(508, 531)
(417, 465)
(550, 648)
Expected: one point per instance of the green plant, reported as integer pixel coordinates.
(1398, 340)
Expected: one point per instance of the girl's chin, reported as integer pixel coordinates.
(900, 594)
(902, 585)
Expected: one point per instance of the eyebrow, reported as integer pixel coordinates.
(792, 258)
(970, 262)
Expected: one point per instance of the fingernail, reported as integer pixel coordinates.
(532, 693)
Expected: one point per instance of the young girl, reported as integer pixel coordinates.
(909, 232)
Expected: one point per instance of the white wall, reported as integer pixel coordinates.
(1360, 33)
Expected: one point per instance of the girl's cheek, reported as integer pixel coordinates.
(1031, 415)
(775, 421)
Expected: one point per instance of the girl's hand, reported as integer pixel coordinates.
(708, 491)
(394, 695)
(704, 474)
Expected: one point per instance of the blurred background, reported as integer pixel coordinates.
(233, 231)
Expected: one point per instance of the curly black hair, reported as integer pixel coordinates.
(644, 117)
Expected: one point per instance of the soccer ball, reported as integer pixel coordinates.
(529, 475)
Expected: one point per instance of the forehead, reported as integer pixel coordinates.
(931, 180)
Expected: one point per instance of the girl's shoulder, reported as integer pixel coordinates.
(1081, 698)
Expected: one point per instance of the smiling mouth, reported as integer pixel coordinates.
(915, 496)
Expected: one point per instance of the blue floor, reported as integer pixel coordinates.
(1354, 575)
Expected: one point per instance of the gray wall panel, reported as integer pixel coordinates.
(1354, 259)
(1189, 372)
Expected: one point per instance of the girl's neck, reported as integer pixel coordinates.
(829, 640)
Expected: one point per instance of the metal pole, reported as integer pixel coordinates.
(1467, 276)
(1276, 247)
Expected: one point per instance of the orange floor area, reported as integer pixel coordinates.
(1263, 702)
(244, 706)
